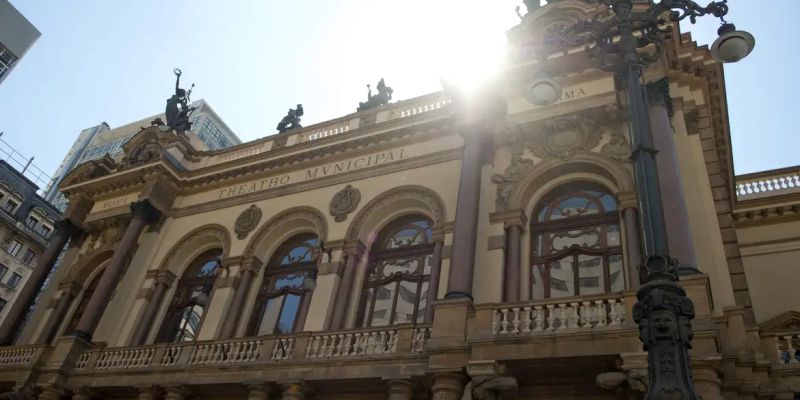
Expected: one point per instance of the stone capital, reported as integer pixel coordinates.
(144, 210)
(71, 288)
(354, 248)
(658, 93)
(627, 200)
(294, 391)
(79, 206)
(510, 218)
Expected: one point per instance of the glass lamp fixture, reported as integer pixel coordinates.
(732, 45)
(543, 90)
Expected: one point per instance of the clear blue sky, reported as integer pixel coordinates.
(100, 60)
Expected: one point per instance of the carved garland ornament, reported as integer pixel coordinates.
(247, 221)
(344, 202)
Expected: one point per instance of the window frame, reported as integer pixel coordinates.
(600, 220)
(273, 271)
(15, 278)
(379, 254)
(168, 332)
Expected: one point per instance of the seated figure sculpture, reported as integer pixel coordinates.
(291, 120)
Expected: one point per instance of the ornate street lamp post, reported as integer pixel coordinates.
(625, 43)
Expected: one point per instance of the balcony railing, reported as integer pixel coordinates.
(787, 346)
(353, 344)
(584, 313)
(19, 356)
(768, 183)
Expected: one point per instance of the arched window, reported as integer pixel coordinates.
(192, 296)
(575, 243)
(396, 283)
(84, 301)
(286, 288)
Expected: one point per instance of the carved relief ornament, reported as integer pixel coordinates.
(247, 221)
(563, 137)
(344, 202)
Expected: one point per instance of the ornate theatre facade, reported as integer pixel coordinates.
(419, 248)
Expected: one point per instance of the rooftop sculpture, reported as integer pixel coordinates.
(381, 99)
(291, 120)
(178, 109)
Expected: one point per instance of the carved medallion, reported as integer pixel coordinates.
(247, 221)
(344, 202)
(563, 137)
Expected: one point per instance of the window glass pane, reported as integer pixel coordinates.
(562, 278)
(423, 300)
(208, 268)
(270, 317)
(400, 266)
(537, 281)
(617, 276)
(291, 307)
(587, 238)
(590, 271)
(381, 314)
(289, 280)
(612, 235)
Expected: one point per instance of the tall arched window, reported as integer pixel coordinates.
(192, 296)
(396, 283)
(286, 288)
(575, 243)
(88, 291)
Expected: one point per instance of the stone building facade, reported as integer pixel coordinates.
(438, 247)
(26, 223)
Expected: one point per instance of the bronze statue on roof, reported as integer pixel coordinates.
(178, 110)
(381, 99)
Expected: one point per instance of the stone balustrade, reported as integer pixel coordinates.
(353, 344)
(768, 183)
(583, 313)
(402, 109)
(787, 346)
(420, 107)
(19, 356)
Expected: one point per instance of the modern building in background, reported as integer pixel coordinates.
(26, 221)
(95, 142)
(17, 35)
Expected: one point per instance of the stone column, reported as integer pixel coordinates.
(163, 281)
(177, 393)
(465, 231)
(353, 252)
(143, 213)
(150, 393)
(400, 389)
(52, 393)
(258, 392)
(14, 318)
(294, 391)
(447, 386)
(512, 265)
(633, 243)
(69, 291)
(706, 381)
(436, 275)
(676, 216)
(249, 267)
(84, 393)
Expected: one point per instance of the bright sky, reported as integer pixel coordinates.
(100, 60)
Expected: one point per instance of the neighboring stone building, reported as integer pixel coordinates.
(95, 142)
(420, 248)
(26, 223)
